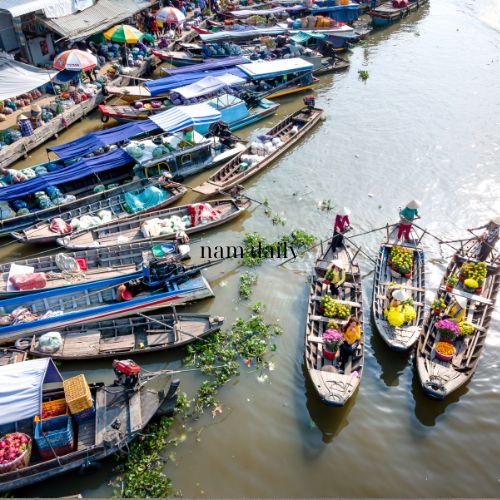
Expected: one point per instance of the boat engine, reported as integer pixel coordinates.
(221, 130)
(127, 373)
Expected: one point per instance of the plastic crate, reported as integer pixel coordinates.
(57, 404)
(54, 437)
(77, 393)
(84, 415)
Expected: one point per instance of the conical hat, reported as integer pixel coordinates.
(462, 301)
(343, 211)
(496, 219)
(400, 295)
(413, 204)
(337, 263)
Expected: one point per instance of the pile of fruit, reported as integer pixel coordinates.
(445, 348)
(334, 309)
(54, 409)
(401, 260)
(476, 271)
(12, 448)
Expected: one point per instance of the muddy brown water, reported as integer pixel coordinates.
(425, 124)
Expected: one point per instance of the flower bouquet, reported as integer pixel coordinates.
(444, 351)
(465, 328)
(438, 306)
(448, 329)
(451, 282)
(401, 261)
(331, 343)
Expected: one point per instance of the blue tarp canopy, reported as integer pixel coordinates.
(21, 386)
(82, 168)
(223, 62)
(95, 140)
(278, 67)
(163, 85)
(179, 118)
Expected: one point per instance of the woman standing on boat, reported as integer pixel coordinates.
(341, 225)
(489, 238)
(407, 216)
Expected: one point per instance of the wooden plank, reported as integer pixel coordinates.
(470, 296)
(348, 302)
(159, 339)
(135, 412)
(86, 434)
(86, 342)
(100, 415)
(119, 343)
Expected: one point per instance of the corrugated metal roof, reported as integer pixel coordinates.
(19, 7)
(99, 17)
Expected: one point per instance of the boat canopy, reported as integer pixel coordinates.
(243, 32)
(303, 37)
(268, 69)
(21, 386)
(223, 62)
(264, 12)
(163, 85)
(95, 140)
(231, 108)
(181, 117)
(82, 168)
(209, 84)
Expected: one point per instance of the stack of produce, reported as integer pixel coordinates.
(15, 452)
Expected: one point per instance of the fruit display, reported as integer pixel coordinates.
(52, 409)
(15, 452)
(401, 260)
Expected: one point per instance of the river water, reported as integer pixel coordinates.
(426, 125)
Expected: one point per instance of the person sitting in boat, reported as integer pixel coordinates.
(456, 309)
(128, 290)
(336, 274)
(341, 225)
(407, 216)
(489, 238)
(351, 334)
(398, 298)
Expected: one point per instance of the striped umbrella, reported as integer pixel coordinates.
(170, 15)
(75, 60)
(123, 33)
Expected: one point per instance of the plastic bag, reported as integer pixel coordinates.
(50, 342)
(59, 226)
(150, 197)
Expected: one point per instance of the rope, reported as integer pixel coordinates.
(374, 230)
(435, 237)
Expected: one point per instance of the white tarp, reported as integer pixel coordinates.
(181, 117)
(207, 85)
(277, 67)
(21, 387)
(17, 78)
(51, 8)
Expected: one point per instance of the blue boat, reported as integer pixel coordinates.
(387, 14)
(159, 286)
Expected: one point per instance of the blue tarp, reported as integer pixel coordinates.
(223, 62)
(162, 85)
(82, 168)
(181, 117)
(95, 140)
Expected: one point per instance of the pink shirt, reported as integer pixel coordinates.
(341, 223)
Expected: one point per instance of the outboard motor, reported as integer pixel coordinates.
(221, 130)
(157, 271)
(251, 99)
(127, 373)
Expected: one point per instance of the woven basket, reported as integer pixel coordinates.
(77, 393)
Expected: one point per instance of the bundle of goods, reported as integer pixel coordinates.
(260, 148)
(223, 49)
(50, 343)
(203, 213)
(399, 4)
(9, 136)
(29, 281)
(159, 227)
(88, 221)
(24, 314)
(256, 21)
(15, 452)
(150, 197)
(54, 437)
(13, 176)
(79, 398)
(324, 22)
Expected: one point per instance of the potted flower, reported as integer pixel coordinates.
(471, 285)
(448, 330)
(328, 277)
(438, 306)
(401, 261)
(465, 328)
(331, 343)
(451, 282)
(395, 317)
(444, 351)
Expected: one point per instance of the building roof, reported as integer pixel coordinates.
(51, 8)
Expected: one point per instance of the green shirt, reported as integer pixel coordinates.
(409, 213)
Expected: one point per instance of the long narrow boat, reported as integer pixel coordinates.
(386, 280)
(9, 356)
(387, 13)
(289, 131)
(333, 386)
(116, 203)
(440, 378)
(81, 303)
(121, 414)
(129, 336)
(132, 230)
(86, 266)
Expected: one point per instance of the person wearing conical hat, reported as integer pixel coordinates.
(456, 309)
(341, 225)
(336, 270)
(407, 216)
(489, 238)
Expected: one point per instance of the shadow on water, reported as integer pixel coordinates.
(428, 410)
(329, 420)
(391, 363)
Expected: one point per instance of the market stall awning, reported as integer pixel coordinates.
(181, 117)
(80, 169)
(21, 387)
(209, 84)
(101, 16)
(16, 78)
(95, 140)
(267, 69)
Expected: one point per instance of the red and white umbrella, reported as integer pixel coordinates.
(170, 15)
(75, 60)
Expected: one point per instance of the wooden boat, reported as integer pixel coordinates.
(164, 285)
(9, 356)
(326, 65)
(333, 387)
(404, 337)
(129, 336)
(230, 174)
(131, 229)
(439, 378)
(121, 414)
(387, 14)
(187, 54)
(63, 270)
(129, 93)
(125, 114)
(114, 202)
